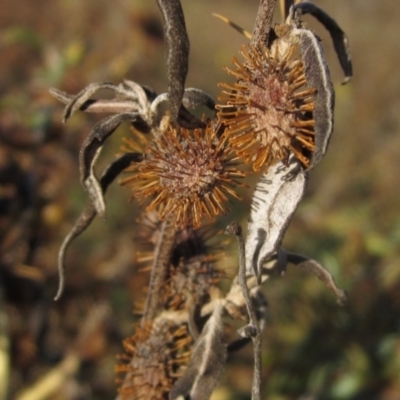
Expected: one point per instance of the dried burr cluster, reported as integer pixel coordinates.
(187, 173)
(275, 118)
(268, 110)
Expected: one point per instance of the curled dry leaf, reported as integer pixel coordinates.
(275, 200)
(89, 212)
(207, 362)
(318, 271)
(90, 151)
(318, 77)
(339, 38)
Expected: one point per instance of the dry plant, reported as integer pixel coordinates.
(275, 119)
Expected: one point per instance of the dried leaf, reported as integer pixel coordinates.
(193, 98)
(83, 96)
(207, 362)
(339, 38)
(318, 77)
(320, 272)
(90, 151)
(275, 199)
(112, 106)
(89, 213)
(129, 97)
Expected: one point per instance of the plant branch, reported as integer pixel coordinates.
(252, 329)
(159, 269)
(263, 22)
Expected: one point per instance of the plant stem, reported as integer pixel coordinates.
(263, 22)
(159, 269)
(252, 330)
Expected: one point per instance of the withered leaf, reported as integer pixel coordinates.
(275, 199)
(339, 38)
(318, 271)
(195, 97)
(318, 77)
(89, 212)
(83, 96)
(207, 362)
(90, 151)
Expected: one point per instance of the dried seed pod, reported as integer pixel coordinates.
(188, 173)
(268, 110)
(191, 271)
(153, 360)
(316, 70)
(189, 278)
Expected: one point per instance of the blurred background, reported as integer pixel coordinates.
(349, 219)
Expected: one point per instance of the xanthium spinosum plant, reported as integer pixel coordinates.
(276, 120)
